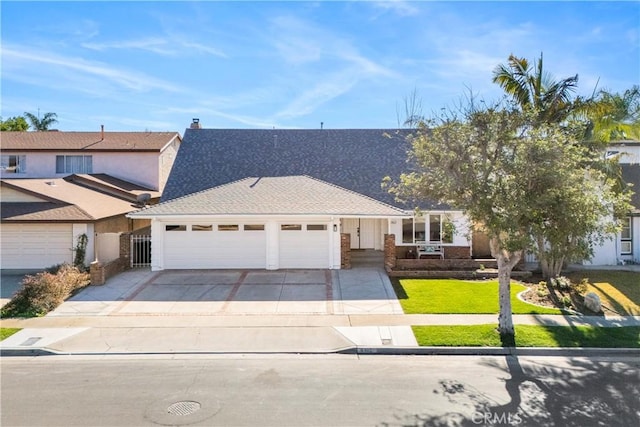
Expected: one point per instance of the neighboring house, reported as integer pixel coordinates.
(281, 198)
(143, 158)
(625, 246)
(41, 219)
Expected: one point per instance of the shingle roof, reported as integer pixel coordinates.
(112, 185)
(355, 159)
(93, 204)
(631, 175)
(85, 141)
(42, 211)
(291, 195)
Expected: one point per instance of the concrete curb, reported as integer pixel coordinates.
(364, 350)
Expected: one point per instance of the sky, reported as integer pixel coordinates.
(137, 66)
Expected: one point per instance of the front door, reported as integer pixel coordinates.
(362, 232)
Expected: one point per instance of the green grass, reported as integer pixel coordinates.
(529, 336)
(618, 290)
(452, 296)
(7, 332)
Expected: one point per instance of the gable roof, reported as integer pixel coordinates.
(355, 159)
(86, 141)
(61, 201)
(289, 195)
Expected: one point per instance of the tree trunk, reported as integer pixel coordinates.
(506, 262)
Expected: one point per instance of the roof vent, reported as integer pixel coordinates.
(51, 183)
(195, 123)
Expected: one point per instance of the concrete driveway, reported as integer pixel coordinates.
(364, 290)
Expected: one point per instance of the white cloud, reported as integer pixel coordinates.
(399, 7)
(41, 66)
(171, 46)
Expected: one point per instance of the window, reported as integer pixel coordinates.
(291, 227)
(626, 237)
(434, 228)
(228, 227)
(407, 230)
(447, 229)
(316, 227)
(254, 227)
(175, 227)
(202, 227)
(74, 164)
(13, 164)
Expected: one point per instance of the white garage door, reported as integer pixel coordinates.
(214, 246)
(35, 246)
(304, 246)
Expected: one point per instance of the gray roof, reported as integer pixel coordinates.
(291, 195)
(355, 159)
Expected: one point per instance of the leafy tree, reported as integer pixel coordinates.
(41, 124)
(14, 124)
(534, 88)
(526, 182)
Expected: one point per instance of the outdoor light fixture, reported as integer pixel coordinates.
(335, 227)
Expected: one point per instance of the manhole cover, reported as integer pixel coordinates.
(186, 407)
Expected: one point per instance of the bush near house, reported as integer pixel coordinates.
(45, 291)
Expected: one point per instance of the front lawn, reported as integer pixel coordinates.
(453, 296)
(529, 336)
(7, 332)
(619, 291)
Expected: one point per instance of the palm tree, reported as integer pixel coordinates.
(43, 124)
(615, 116)
(533, 88)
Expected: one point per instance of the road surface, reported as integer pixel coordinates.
(329, 390)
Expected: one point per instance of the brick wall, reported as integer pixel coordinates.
(390, 251)
(345, 251)
(457, 252)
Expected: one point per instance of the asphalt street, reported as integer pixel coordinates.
(313, 390)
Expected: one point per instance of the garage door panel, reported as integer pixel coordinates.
(304, 248)
(35, 246)
(215, 249)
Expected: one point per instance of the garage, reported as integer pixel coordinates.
(304, 246)
(271, 223)
(207, 245)
(35, 246)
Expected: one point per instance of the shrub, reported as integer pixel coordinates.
(45, 291)
(561, 282)
(581, 288)
(566, 301)
(542, 290)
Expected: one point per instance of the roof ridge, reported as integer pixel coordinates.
(354, 192)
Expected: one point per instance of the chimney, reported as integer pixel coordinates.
(321, 125)
(101, 132)
(195, 124)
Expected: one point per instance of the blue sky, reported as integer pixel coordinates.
(156, 65)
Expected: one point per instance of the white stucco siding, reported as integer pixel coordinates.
(137, 167)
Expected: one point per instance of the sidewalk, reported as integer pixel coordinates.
(91, 323)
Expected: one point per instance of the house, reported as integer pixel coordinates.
(143, 158)
(624, 248)
(41, 219)
(273, 199)
(59, 185)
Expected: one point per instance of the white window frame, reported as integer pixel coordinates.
(626, 243)
(20, 162)
(68, 166)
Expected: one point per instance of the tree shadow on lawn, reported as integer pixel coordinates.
(585, 393)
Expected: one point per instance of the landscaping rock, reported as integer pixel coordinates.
(592, 302)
